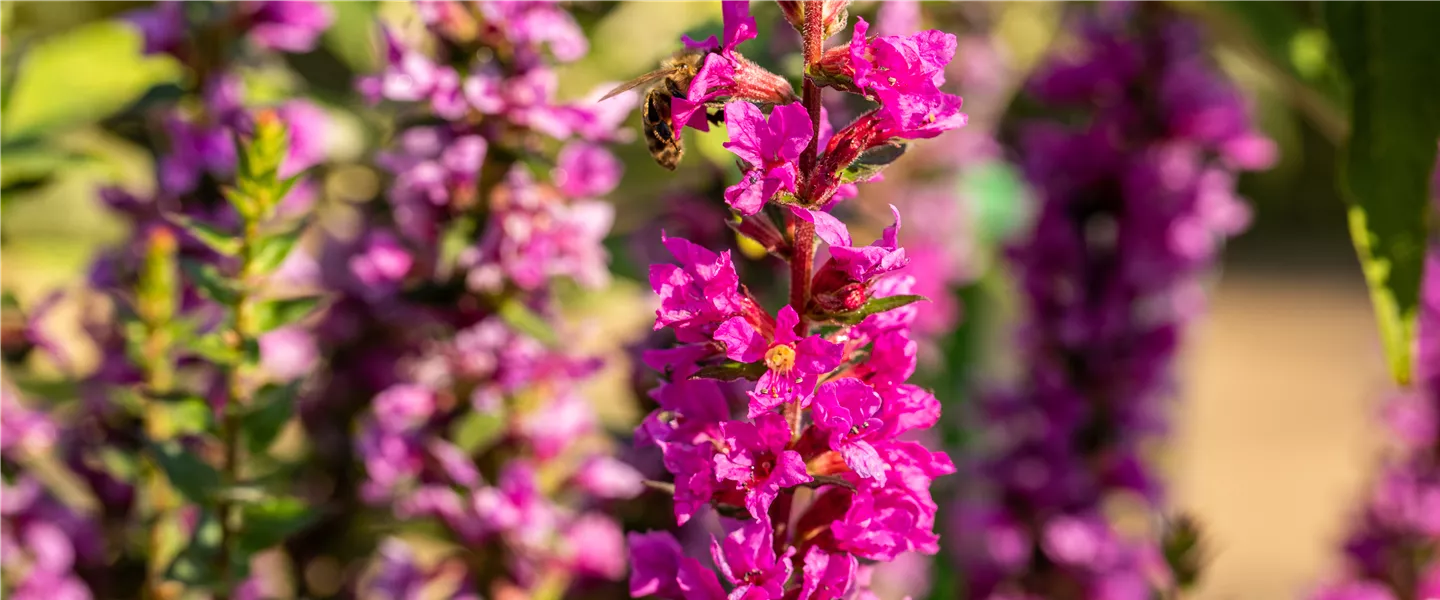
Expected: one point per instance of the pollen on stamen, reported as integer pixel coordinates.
(780, 358)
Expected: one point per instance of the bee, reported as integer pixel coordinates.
(674, 77)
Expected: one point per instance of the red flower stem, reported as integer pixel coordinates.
(803, 260)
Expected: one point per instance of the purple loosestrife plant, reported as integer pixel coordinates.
(1393, 551)
(477, 420)
(1134, 205)
(813, 475)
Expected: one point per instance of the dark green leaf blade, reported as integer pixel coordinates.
(274, 314)
(1388, 57)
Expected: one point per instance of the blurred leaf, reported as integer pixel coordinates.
(28, 164)
(476, 430)
(272, 408)
(1391, 66)
(997, 198)
(517, 315)
(190, 475)
(195, 564)
(208, 280)
(731, 371)
(191, 416)
(273, 249)
(212, 347)
(79, 76)
(354, 37)
(269, 522)
(219, 241)
(274, 314)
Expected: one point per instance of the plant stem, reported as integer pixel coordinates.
(159, 379)
(242, 310)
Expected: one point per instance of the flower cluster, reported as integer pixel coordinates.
(1391, 553)
(828, 409)
(42, 539)
(477, 420)
(1133, 206)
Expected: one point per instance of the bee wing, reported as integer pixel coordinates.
(650, 77)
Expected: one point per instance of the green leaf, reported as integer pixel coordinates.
(195, 564)
(872, 162)
(273, 249)
(191, 416)
(212, 347)
(209, 281)
(731, 371)
(81, 76)
(31, 164)
(1388, 57)
(476, 430)
(274, 404)
(190, 475)
(224, 243)
(874, 306)
(274, 314)
(270, 521)
(524, 320)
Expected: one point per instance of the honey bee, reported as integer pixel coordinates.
(674, 77)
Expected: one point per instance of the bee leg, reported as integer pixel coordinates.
(715, 116)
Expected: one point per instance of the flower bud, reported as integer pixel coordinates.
(834, 14)
(753, 83)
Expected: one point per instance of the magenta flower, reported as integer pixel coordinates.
(714, 81)
(660, 568)
(827, 576)
(771, 149)
(847, 409)
(793, 364)
(739, 27)
(288, 26)
(747, 559)
(913, 64)
(884, 522)
(697, 294)
(753, 455)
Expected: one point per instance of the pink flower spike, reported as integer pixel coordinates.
(771, 149)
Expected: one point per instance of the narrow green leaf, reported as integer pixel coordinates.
(273, 249)
(269, 522)
(274, 314)
(517, 315)
(874, 306)
(222, 242)
(731, 371)
(872, 162)
(274, 404)
(208, 280)
(476, 430)
(213, 348)
(1388, 58)
(79, 76)
(191, 416)
(190, 475)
